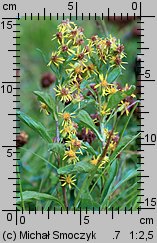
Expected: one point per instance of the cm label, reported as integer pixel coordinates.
(9, 6)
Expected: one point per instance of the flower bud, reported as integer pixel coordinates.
(86, 135)
(21, 139)
(47, 79)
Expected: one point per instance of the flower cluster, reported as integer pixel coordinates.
(72, 143)
(82, 67)
(80, 58)
(113, 141)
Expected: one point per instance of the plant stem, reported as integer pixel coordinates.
(58, 140)
(101, 121)
(106, 147)
(65, 196)
(57, 135)
(57, 128)
(126, 124)
(98, 178)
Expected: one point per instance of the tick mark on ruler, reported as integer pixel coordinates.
(44, 13)
(76, 10)
(108, 14)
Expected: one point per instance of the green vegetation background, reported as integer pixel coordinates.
(37, 35)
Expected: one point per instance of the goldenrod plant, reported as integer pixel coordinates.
(90, 112)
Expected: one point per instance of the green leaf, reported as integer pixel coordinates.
(109, 183)
(36, 126)
(127, 122)
(117, 97)
(79, 167)
(48, 100)
(83, 167)
(114, 100)
(40, 157)
(129, 175)
(114, 74)
(46, 60)
(87, 121)
(132, 188)
(32, 195)
(129, 92)
(68, 169)
(122, 145)
(47, 205)
(84, 186)
(89, 148)
(42, 54)
(86, 201)
(125, 140)
(57, 148)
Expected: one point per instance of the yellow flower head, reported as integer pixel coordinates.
(75, 144)
(94, 39)
(124, 107)
(66, 49)
(67, 117)
(68, 130)
(74, 34)
(66, 26)
(105, 86)
(89, 70)
(59, 36)
(56, 59)
(89, 49)
(44, 107)
(112, 146)
(117, 61)
(71, 156)
(80, 55)
(68, 180)
(95, 161)
(103, 80)
(104, 111)
(108, 132)
(111, 90)
(76, 70)
(64, 93)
